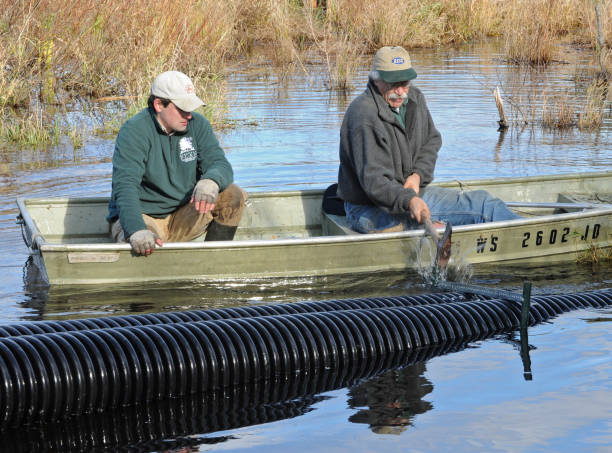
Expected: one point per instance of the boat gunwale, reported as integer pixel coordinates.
(45, 246)
(38, 241)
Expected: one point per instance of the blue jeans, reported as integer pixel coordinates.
(446, 205)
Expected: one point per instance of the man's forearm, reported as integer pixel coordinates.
(413, 182)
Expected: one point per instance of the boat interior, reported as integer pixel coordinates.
(271, 215)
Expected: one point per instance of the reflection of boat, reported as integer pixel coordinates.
(287, 234)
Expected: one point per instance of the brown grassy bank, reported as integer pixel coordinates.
(53, 53)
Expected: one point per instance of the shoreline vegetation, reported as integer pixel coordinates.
(99, 56)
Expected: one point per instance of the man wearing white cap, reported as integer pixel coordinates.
(388, 151)
(171, 180)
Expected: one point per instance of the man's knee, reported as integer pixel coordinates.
(118, 235)
(230, 206)
(371, 219)
(481, 196)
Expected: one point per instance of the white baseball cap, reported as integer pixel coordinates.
(178, 88)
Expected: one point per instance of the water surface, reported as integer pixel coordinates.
(474, 399)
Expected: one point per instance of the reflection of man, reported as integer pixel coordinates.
(171, 180)
(388, 151)
(392, 399)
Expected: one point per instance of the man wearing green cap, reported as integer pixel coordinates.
(388, 151)
(171, 180)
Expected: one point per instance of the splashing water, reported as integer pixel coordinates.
(457, 269)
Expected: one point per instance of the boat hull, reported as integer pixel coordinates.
(281, 236)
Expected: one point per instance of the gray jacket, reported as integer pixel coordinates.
(377, 154)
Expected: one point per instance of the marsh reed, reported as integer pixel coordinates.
(53, 53)
(595, 256)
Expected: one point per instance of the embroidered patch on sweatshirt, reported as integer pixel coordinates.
(187, 151)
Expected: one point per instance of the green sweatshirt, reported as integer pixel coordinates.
(154, 173)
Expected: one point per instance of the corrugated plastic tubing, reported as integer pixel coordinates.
(171, 423)
(52, 375)
(162, 426)
(232, 312)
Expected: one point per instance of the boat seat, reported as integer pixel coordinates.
(336, 225)
(603, 199)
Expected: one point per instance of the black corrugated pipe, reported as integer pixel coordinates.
(30, 328)
(52, 375)
(169, 424)
(158, 426)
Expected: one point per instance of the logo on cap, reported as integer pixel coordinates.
(189, 89)
(397, 60)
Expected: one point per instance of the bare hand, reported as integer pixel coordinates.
(143, 242)
(419, 209)
(205, 195)
(413, 182)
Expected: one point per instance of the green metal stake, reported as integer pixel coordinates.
(526, 305)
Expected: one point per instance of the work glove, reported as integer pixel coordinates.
(205, 195)
(143, 242)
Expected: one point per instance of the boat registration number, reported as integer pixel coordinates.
(539, 238)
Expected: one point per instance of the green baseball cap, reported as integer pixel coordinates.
(393, 64)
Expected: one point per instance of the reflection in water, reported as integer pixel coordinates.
(185, 421)
(66, 302)
(524, 348)
(59, 302)
(498, 146)
(169, 424)
(389, 403)
(527, 374)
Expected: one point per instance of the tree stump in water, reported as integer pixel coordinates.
(503, 121)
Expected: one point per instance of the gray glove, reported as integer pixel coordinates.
(206, 190)
(143, 242)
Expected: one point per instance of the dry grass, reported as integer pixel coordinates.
(31, 131)
(592, 115)
(387, 22)
(531, 100)
(55, 52)
(595, 255)
(343, 63)
(93, 48)
(109, 48)
(531, 35)
(342, 56)
(559, 113)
